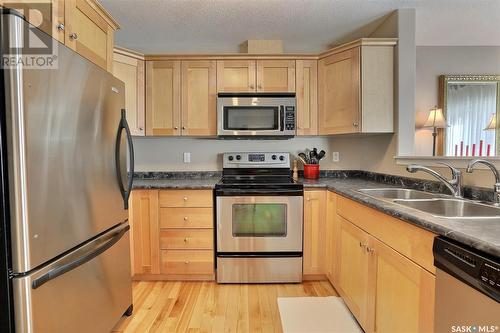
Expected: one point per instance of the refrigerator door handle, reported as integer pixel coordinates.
(65, 268)
(123, 125)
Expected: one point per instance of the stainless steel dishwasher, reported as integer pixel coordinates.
(467, 289)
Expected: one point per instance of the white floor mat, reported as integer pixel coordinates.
(316, 315)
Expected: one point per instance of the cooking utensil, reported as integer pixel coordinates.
(321, 154)
(304, 158)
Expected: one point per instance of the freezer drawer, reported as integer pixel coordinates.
(90, 297)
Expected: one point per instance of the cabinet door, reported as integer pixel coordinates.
(145, 232)
(131, 71)
(332, 235)
(401, 287)
(314, 232)
(354, 272)
(307, 97)
(199, 98)
(276, 75)
(88, 33)
(163, 94)
(46, 15)
(235, 75)
(339, 93)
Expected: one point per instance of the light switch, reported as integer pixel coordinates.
(187, 157)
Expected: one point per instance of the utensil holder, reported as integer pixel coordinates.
(311, 171)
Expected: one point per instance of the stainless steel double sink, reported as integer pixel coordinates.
(438, 205)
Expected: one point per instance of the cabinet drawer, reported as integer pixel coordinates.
(187, 262)
(187, 239)
(186, 198)
(186, 218)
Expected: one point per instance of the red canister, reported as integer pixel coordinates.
(311, 171)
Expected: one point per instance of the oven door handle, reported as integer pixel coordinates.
(233, 192)
(282, 118)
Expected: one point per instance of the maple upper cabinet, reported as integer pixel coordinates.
(276, 75)
(129, 68)
(163, 97)
(199, 98)
(314, 232)
(356, 89)
(307, 96)
(89, 30)
(236, 76)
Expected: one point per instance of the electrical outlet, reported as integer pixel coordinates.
(336, 156)
(187, 157)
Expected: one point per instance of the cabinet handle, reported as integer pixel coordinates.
(73, 36)
(60, 27)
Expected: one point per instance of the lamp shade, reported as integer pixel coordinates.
(436, 119)
(492, 124)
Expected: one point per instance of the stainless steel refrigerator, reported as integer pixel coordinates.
(64, 233)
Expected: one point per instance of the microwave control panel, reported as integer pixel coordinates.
(290, 118)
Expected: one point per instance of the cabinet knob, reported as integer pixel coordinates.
(355, 124)
(141, 129)
(185, 218)
(73, 36)
(251, 86)
(186, 262)
(60, 26)
(362, 245)
(259, 87)
(183, 127)
(370, 250)
(186, 240)
(176, 128)
(308, 199)
(185, 198)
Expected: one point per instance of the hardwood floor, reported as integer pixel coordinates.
(211, 307)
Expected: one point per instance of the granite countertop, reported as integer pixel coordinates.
(483, 235)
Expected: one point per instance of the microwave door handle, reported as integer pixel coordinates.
(282, 118)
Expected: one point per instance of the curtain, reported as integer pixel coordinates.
(468, 111)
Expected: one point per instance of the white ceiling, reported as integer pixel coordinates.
(177, 26)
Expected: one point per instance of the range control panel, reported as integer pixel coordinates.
(256, 160)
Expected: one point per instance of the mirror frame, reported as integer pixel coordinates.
(443, 92)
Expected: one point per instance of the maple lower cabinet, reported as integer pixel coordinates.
(355, 271)
(199, 98)
(236, 76)
(356, 90)
(314, 233)
(172, 234)
(163, 98)
(332, 232)
(382, 266)
(402, 287)
(276, 75)
(89, 32)
(130, 68)
(306, 73)
(145, 239)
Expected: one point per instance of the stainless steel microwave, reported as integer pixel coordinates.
(268, 115)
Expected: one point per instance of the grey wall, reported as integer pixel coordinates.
(433, 61)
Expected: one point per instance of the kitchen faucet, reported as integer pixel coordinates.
(454, 185)
(493, 169)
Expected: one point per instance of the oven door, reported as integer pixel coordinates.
(249, 224)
